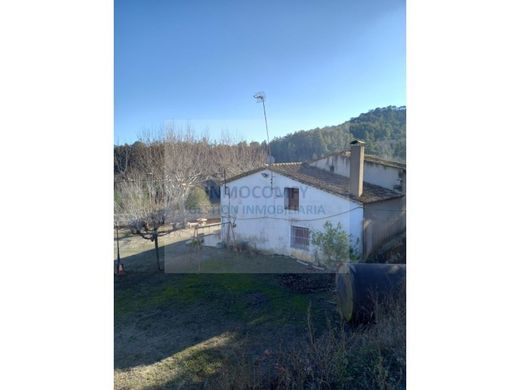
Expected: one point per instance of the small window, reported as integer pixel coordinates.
(300, 237)
(291, 198)
(399, 185)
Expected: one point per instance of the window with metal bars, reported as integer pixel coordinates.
(300, 237)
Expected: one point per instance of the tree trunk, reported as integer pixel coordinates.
(156, 242)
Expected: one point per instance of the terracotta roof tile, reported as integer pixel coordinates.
(326, 181)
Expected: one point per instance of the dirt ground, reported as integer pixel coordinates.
(130, 244)
(180, 330)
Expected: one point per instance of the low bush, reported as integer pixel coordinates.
(334, 246)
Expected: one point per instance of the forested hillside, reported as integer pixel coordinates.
(383, 130)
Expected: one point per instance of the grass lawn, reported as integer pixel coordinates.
(181, 330)
(235, 325)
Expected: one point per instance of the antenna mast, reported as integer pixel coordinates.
(260, 97)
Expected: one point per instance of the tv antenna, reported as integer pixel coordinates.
(260, 98)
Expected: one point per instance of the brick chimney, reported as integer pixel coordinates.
(357, 158)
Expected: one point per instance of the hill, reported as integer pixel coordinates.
(383, 130)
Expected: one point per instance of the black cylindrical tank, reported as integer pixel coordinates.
(360, 285)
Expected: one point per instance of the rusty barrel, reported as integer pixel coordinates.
(360, 285)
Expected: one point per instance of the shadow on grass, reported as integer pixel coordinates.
(157, 315)
(166, 322)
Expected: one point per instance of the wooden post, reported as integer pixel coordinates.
(117, 244)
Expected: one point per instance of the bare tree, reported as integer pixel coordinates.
(141, 196)
(185, 165)
(153, 178)
(235, 157)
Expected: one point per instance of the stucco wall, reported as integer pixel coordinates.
(383, 220)
(374, 173)
(262, 221)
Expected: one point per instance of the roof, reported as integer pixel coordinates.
(326, 181)
(368, 158)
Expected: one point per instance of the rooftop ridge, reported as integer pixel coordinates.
(286, 163)
(368, 157)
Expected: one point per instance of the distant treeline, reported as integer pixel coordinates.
(187, 154)
(383, 130)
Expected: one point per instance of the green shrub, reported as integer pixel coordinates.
(197, 200)
(335, 245)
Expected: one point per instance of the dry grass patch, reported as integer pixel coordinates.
(367, 357)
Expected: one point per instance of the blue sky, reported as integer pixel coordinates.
(199, 62)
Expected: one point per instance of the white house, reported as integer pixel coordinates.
(276, 208)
